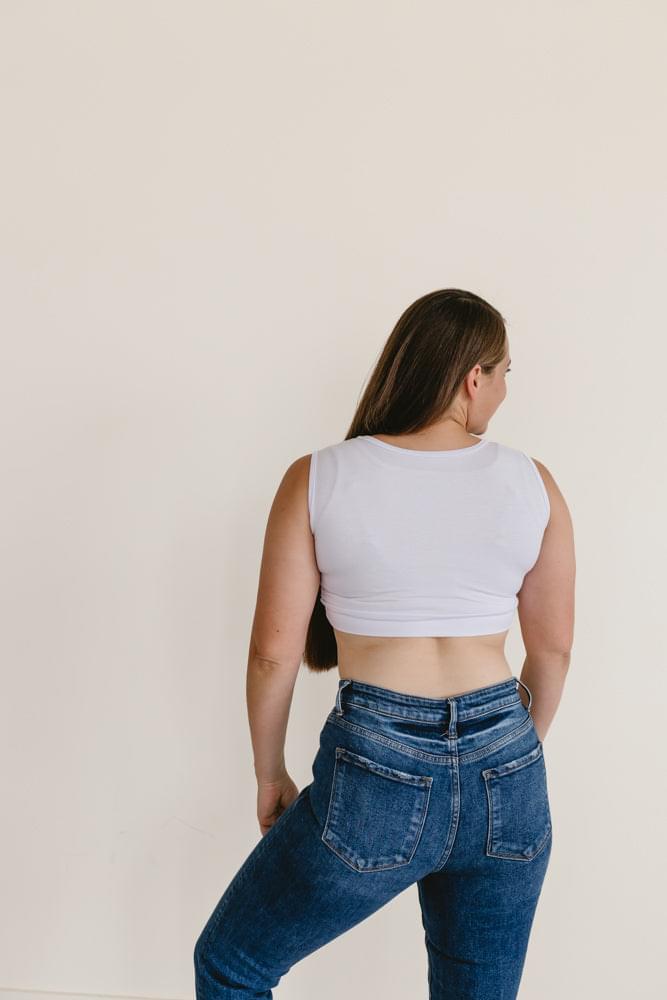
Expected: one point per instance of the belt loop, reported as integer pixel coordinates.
(451, 729)
(450, 732)
(530, 697)
(342, 682)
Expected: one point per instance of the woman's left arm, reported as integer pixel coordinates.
(289, 580)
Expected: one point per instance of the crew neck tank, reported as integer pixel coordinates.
(412, 542)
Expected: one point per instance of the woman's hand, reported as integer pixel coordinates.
(273, 798)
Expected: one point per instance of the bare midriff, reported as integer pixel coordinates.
(430, 667)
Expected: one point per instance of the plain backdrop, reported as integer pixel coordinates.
(211, 216)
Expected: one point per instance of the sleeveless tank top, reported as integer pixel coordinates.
(424, 543)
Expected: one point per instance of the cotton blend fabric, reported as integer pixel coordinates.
(424, 543)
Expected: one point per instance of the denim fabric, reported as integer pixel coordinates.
(447, 793)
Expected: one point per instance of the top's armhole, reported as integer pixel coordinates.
(311, 490)
(542, 487)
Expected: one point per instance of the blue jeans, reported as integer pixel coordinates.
(447, 793)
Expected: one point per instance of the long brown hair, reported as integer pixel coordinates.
(433, 346)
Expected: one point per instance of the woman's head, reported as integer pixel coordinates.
(445, 359)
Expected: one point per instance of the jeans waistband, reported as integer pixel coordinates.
(480, 701)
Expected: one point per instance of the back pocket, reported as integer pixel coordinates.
(518, 800)
(376, 813)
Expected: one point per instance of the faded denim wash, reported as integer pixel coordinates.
(447, 793)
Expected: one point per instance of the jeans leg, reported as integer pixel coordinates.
(477, 923)
(291, 896)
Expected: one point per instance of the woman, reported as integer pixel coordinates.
(400, 555)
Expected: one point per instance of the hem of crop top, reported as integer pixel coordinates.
(475, 625)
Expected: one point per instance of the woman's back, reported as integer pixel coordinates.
(422, 553)
(424, 543)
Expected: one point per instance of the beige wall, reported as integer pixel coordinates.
(212, 216)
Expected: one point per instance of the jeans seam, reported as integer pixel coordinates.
(449, 758)
(462, 716)
(394, 744)
(498, 744)
(454, 824)
(393, 715)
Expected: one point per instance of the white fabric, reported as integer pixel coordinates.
(433, 543)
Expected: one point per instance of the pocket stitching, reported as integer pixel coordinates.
(383, 769)
(515, 765)
(511, 767)
(423, 783)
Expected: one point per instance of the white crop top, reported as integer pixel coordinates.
(433, 543)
